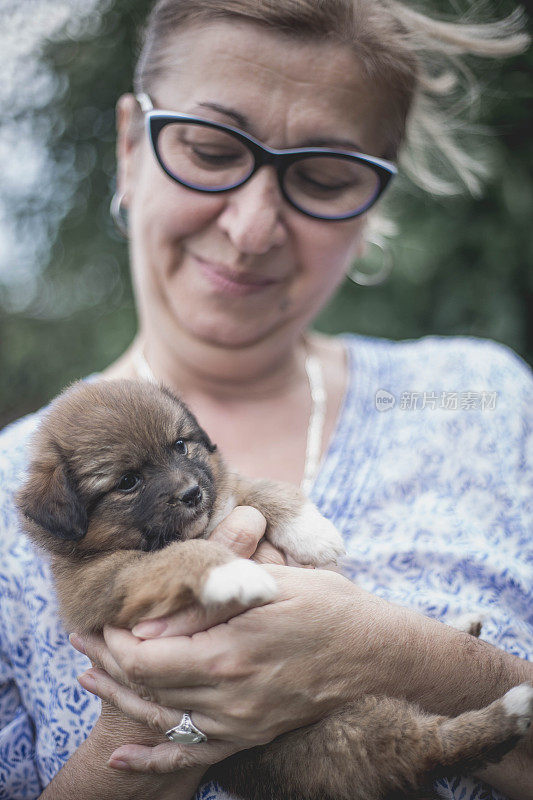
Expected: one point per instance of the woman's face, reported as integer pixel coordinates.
(236, 267)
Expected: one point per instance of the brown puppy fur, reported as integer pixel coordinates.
(122, 487)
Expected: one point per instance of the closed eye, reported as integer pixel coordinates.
(215, 159)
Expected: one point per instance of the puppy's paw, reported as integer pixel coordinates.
(518, 702)
(241, 581)
(309, 538)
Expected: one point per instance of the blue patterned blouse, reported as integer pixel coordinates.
(429, 475)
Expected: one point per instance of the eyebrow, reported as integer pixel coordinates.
(242, 121)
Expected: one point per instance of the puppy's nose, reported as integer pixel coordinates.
(192, 496)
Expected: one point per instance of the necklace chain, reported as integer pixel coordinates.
(315, 426)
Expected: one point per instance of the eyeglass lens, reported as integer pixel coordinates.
(211, 159)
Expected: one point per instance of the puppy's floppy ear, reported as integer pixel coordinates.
(208, 443)
(49, 499)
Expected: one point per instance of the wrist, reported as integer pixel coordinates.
(87, 776)
(113, 729)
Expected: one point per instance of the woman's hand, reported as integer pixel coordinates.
(242, 532)
(263, 672)
(246, 677)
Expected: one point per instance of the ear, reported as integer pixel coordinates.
(208, 443)
(49, 499)
(129, 132)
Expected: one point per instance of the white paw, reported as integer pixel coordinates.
(309, 538)
(241, 581)
(519, 702)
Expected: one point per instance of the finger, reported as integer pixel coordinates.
(241, 531)
(94, 647)
(156, 717)
(169, 757)
(192, 620)
(291, 562)
(266, 553)
(176, 661)
(140, 702)
(159, 718)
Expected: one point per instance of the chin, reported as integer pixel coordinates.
(232, 339)
(218, 330)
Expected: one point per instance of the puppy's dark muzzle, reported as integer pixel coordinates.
(192, 497)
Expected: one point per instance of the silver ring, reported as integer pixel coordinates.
(186, 732)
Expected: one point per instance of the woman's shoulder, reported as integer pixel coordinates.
(15, 447)
(14, 455)
(447, 372)
(15, 441)
(442, 356)
(459, 404)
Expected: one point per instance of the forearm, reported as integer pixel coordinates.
(464, 672)
(87, 776)
(513, 776)
(447, 672)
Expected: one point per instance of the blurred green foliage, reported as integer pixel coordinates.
(462, 265)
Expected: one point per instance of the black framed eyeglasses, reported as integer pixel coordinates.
(206, 156)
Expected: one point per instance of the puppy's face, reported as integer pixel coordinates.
(119, 465)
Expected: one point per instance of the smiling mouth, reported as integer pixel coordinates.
(231, 282)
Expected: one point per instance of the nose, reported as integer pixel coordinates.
(252, 217)
(191, 497)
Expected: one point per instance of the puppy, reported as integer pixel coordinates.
(123, 488)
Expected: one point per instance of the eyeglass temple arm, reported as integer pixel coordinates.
(144, 102)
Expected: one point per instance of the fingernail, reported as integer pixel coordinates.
(117, 764)
(77, 643)
(87, 681)
(152, 627)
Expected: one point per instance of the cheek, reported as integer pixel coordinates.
(162, 212)
(328, 250)
(165, 215)
(111, 529)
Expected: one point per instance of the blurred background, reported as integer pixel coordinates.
(461, 265)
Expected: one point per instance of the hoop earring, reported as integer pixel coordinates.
(362, 278)
(118, 215)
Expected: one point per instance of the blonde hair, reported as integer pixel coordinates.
(417, 59)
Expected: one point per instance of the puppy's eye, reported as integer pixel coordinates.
(129, 482)
(181, 447)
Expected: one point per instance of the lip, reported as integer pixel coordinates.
(228, 281)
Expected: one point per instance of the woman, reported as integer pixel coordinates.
(227, 282)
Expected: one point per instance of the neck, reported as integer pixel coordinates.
(258, 370)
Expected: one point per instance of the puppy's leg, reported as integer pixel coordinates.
(126, 586)
(377, 748)
(477, 738)
(294, 524)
